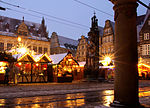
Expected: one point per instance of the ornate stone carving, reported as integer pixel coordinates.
(128, 9)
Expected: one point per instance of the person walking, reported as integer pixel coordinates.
(15, 72)
(6, 79)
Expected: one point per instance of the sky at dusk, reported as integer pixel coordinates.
(65, 17)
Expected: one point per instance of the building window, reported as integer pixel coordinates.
(104, 50)
(148, 22)
(1, 46)
(109, 50)
(29, 47)
(104, 39)
(34, 48)
(109, 30)
(82, 53)
(40, 50)
(83, 41)
(146, 36)
(112, 48)
(82, 47)
(9, 46)
(45, 50)
(146, 49)
(110, 38)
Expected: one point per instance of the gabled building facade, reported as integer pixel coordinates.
(144, 50)
(107, 40)
(32, 36)
(60, 44)
(82, 49)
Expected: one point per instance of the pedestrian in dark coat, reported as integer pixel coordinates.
(7, 72)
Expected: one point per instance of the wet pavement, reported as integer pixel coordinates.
(73, 100)
(73, 95)
(94, 99)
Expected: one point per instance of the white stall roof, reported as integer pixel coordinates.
(56, 58)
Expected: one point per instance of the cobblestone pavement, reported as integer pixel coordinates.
(45, 89)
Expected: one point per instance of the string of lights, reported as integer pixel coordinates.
(37, 12)
(93, 8)
(48, 19)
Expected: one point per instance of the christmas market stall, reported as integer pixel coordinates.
(65, 67)
(42, 68)
(106, 67)
(25, 65)
(32, 68)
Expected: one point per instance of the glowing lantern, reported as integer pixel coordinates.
(69, 59)
(19, 63)
(19, 39)
(37, 64)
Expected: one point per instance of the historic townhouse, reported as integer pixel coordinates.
(82, 49)
(19, 33)
(107, 41)
(61, 44)
(145, 40)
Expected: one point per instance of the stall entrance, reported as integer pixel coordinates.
(31, 70)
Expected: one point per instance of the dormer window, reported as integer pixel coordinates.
(146, 36)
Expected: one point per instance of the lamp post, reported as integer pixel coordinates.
(126, 58)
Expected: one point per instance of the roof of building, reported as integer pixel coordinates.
(101, 29)
(82, 63)
(140, 22)
(140, 19)
(14, 24)
(147, 14)
(56, 58)
(63, 40)
(113, 25)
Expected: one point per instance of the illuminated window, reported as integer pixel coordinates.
(35, 48)
(109, 49)
(146, 36)
(1, 46)
(146, 49)
(45, 50)
(29, 47)
(110, 38)
(9, 46)
(104, 39)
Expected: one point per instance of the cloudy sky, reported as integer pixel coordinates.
(69, 18)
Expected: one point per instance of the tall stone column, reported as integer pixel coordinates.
(126, 58)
